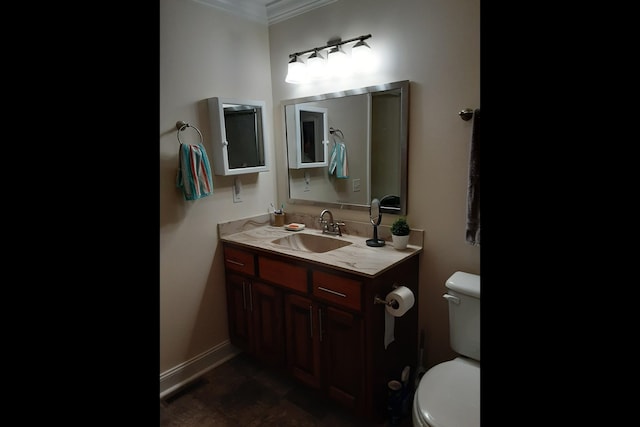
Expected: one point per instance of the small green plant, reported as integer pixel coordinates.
(400, 227)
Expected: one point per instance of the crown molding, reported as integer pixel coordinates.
(265, 11)
(253, 10)
(281, 10)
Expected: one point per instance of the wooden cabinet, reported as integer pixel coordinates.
(324, 348)
(321, 325)
(255, 316)
(303, 332)
(342, 355)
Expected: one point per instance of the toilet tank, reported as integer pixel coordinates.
(463, 295)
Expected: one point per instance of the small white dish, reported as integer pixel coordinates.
(294, 226)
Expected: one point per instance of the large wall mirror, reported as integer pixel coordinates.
(366, 149)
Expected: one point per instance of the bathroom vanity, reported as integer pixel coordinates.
(309, 311)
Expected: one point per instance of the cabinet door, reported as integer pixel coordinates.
(303, 339)
(308, 136)
(267, 323)
(238, 307)
(342, 354)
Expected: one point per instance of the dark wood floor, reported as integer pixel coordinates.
(242, 393)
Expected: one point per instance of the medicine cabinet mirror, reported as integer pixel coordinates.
(237, 129)
(371, 124)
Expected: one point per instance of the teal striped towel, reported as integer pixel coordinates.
(194, 172)
(338, 161)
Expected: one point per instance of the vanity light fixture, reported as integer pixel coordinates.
(337, 64)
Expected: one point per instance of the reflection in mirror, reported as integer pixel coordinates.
(238, 136)
(308, 149)
(242, 124)
(386, 155)
(374, 135)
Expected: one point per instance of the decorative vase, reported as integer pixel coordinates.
(400, 242)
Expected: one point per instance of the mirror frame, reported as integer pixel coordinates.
(403, 87)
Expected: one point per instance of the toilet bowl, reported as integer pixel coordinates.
(448, 394)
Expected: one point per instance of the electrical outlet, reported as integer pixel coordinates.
(356, 184)
(237, 189)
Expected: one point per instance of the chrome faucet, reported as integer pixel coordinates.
(330, 227)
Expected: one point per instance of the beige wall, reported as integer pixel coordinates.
(205, 52)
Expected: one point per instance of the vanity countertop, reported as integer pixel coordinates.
(355, 258)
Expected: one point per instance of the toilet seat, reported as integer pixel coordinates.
(448, 395)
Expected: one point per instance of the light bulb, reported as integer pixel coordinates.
(338, 62)
(316, 66)
(363, 58)
(296, 71)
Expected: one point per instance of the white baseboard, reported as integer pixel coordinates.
(184, 373)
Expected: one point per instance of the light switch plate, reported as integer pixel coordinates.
(237, 190)
(307, 181)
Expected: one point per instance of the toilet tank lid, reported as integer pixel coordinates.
(465, 283)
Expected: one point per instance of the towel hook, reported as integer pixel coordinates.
(466, 114)
(182, 125)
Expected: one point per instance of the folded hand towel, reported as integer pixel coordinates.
(473, 187)
(194, 172)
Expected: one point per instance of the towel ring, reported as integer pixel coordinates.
(181, 125)
(333, 132)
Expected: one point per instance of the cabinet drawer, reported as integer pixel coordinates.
(337, 289)
(239, 260)
(284, 274)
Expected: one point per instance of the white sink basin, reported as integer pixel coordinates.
(310, 243)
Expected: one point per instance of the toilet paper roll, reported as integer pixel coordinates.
(405, 299)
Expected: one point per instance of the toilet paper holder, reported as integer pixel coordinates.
(393, 303)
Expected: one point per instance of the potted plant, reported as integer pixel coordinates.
(400, 233)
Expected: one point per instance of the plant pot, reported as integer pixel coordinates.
(400, 242)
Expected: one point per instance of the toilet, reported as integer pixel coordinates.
(448, 394)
